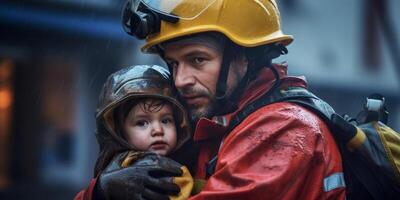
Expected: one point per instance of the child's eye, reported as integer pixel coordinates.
(173, 64)
(142, 123)
(167, 121)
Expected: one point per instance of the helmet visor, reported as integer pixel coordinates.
(182, 9)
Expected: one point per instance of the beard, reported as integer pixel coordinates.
(206, 111)
(198, 111)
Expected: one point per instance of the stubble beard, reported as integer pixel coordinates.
(198, 111)
(206, 111)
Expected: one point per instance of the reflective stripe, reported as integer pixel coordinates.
(334, 181)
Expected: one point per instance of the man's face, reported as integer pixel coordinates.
(195, 69)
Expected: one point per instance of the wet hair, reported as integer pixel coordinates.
(149, 105)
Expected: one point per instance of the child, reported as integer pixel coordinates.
(138, 112)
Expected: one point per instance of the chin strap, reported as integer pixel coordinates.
(258, 57)
(224, 105)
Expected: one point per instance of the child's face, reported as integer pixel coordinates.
(151, 131)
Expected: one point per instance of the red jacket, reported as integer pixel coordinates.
(86, 194)
(281, 151)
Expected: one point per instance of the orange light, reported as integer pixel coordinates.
(5, 99)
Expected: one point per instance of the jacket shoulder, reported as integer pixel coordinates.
(282, 114)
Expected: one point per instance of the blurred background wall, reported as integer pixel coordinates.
(56, 54)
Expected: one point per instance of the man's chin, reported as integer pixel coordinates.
(197, 113)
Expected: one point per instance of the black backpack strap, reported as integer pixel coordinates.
(296, 95)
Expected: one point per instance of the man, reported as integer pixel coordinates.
(219, 53)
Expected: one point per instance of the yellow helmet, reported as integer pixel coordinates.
(248, 23)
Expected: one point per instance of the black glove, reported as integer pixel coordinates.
(149, 177)
(345, 129)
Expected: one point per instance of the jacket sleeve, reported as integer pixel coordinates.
(281, 151)
(86, 194)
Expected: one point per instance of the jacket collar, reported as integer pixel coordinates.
(216, 127)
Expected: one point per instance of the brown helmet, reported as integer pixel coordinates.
(127, 84)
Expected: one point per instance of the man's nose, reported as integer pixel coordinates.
(183, 76)
(157, 129)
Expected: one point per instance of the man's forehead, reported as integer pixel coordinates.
(184, 50)
(210, 40)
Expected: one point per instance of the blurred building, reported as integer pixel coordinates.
(54, 58)
(347, 50)
(56, 54)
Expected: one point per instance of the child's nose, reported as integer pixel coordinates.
(157, 129)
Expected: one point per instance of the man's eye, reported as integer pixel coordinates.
(172, 67)
(172, 64)
(198, 60)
